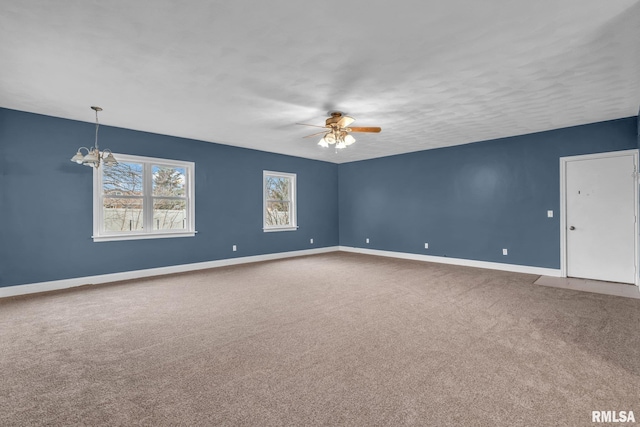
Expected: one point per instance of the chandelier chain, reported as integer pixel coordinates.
(97, 125)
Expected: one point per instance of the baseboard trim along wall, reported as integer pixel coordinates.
(457, 261)
(54, 285)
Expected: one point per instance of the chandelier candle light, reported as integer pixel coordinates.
(94, 156)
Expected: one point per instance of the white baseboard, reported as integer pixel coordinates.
(53, 285)
(32, 288)
(586, 285)
(457, 261)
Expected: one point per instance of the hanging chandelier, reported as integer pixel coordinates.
(94, 156)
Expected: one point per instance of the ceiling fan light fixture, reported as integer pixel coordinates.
(338, 128)
(330, 138)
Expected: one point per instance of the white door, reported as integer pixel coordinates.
(600, 218)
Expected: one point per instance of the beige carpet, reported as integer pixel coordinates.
(334, 339)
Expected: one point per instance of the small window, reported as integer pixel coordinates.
(143, 198)
(279, 210)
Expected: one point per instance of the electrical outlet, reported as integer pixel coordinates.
(235, 248)
(426, 246)
(311, 241)
(505, 252)
(549, 214)
(367, 240)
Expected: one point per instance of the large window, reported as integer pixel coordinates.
(142, 198)
(279, 210)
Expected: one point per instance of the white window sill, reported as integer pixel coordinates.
(271, 229)
(142, 236)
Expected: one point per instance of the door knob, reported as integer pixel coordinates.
(572, 228)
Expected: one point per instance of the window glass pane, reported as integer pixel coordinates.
(124, 179)
(143, 197)
(122, 214)
(168, 181)
(277, 213)
(277, 187)
(169, 214)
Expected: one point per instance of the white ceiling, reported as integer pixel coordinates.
(430, 73)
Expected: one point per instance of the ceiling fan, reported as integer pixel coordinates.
(338, 129)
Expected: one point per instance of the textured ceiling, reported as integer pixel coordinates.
(242, 73)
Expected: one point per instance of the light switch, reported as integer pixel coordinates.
(550, 214)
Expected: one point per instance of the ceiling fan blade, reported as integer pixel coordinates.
(345, 121)
(365, 129)
(314, 134)
(315, 126)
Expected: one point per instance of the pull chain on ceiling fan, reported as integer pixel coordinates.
(338, 132)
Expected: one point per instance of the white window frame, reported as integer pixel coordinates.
(292, 203)
(100, 235)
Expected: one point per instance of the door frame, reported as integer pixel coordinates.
(563, 203)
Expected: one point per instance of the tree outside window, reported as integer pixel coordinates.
(279, 201)
(144, 197)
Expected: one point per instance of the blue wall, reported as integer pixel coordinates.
(46, 202)
(466, 201)
(473, 200)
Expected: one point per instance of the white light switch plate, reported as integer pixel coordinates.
(550, 214)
